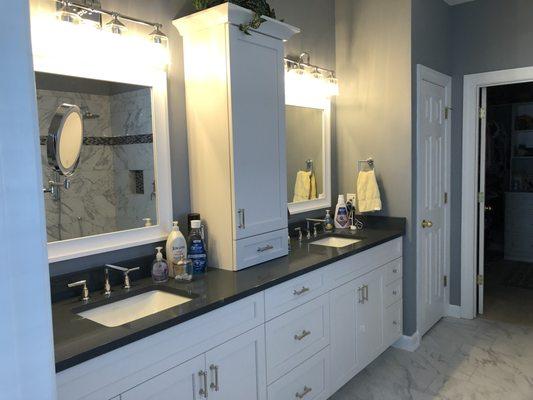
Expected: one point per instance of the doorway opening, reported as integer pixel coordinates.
(506, 217)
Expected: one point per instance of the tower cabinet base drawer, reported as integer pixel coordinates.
(308, 381)
(258, 249)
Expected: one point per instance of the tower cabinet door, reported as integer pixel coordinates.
(258, 130)
(237, 369)
(183, 382)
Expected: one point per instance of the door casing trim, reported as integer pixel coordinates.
(470, 173)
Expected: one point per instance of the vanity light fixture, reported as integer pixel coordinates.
(76, 13)
(307, 79)
(116, 26)
(159, 37)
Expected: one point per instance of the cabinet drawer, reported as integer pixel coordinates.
(295, 336)
(392, 323)
(392, 293)
(295, 292)
(261, 248)
(394, 271)
(309, 381)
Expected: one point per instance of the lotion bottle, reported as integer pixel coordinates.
(341, 214)
(176, 247)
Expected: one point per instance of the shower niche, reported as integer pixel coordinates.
(114, 187)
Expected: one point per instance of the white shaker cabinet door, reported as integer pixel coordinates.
(370, 315)
(236, 369)
(344, 322)
(258, 143)
(183, 382)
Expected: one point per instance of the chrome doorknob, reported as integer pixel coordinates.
(426, 224)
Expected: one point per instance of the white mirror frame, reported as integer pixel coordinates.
(123, 71)
(324, 104)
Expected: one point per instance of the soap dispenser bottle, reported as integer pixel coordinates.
(159, 268)
(341, 213)
(328, 221)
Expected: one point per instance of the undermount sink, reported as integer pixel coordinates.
(133, 308)
(337, 242)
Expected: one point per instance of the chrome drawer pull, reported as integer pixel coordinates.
(365, 292)
(394, 323)
(301, 291)
(265, 248)
(203, 379)
(306, 391)
(360, 293)
(394, 292)
(394, 271)
(214, 386)
(242, 220)
(302, 335)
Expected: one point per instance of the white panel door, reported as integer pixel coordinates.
(237, 369)
(369, 335)
(183, 382)
(432, 197)
(344, 321)
(259, 161)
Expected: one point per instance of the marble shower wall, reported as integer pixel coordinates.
(104, 195)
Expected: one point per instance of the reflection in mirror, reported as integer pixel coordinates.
(305, 153)
(113, 188)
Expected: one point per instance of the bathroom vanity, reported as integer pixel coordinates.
(297, 327)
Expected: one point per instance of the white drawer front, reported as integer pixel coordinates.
(295, 292)
(309, 381)
(258, 249)
(295, 336)
(392, 293)
(394, 271)
(392, 323)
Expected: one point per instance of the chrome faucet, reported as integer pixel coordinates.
(126, 272)
(317, 222)
(299, 230)
(84, 291)
(107, 285)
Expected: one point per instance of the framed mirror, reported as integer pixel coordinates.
(105, 132)
(308, 131)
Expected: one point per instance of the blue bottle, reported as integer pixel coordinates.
(196, 249)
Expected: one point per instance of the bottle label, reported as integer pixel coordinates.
(198, 256)
(178, 252)
(342, 217)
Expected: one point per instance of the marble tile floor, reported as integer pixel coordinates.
(458, 359)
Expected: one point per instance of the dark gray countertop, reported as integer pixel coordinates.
(77, 339)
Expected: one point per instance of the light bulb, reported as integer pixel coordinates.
(159, 37)
(116, 26)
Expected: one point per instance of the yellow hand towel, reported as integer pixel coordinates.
(313, 194)
(368, 197)
(303, 186)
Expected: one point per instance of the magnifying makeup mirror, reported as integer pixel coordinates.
(65, 138)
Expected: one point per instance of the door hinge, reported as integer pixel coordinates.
(480, 280)
(445, 280)
(447, 111)
(446, 198)
(482, 113)
(481, 197)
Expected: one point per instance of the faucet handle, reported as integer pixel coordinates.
(315, 226)
(127, 283)
(299, 230)
(107, 285)
(84, 291)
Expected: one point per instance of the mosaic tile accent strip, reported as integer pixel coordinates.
(111, 140)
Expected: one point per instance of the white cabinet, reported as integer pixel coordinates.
(236, 133)
(369, 310)
(184, 381)
(234, 370)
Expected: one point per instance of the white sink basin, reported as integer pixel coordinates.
(133, 308)
(335, 242)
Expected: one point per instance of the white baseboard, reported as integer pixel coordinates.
(453, 311)
(408, 343)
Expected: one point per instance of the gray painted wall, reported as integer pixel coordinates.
(431, 47)
(373, 42)
(487, 35)
(316, 18)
